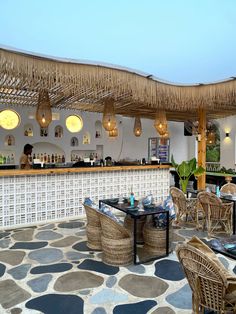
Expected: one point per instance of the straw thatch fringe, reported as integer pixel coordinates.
(84, 86)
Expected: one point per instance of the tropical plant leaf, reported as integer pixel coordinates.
(184, 169)
(192, 164)
(199, 171)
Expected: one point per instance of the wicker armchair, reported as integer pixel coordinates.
(213, 287)
(218, 215)
(93, 228)
(229, 188)
(117, 242)
(186, 207)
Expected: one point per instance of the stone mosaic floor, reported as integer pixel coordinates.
(49, 269)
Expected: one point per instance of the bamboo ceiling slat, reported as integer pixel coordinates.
(82, 86)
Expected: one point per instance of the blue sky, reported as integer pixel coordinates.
(185, 41)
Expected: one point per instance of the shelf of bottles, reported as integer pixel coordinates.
(7, 158)
(48, 158)
(160, 148)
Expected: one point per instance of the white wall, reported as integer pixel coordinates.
(126, 145)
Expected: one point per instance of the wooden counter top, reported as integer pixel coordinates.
(22, 172)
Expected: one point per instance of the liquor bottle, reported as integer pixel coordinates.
(53, 160)
(34, 157)
(63, 159)
(131, 198)
(41, 157)
(12, 159)
(45, 158)
(8, 159)
(4, 159)
(9, 141)
(49, 159)
(1, 159)
(38, 157)
(56, 159)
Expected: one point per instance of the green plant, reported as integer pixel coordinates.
(185, 170)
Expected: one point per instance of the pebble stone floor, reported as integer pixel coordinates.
(49, 269)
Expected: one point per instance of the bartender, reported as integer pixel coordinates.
(24, 159)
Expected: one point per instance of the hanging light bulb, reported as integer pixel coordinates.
(211, 137)
(109, 119)
(160, 122)
(137, 127)
(113, 133)
(43, 111)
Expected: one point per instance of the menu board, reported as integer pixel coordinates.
(159, 147)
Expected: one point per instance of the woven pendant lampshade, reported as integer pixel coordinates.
(160, 122)
(43, 111)
(113, 133)
(137, 127)
(109, 119)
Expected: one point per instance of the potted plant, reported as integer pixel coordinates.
(185, 170)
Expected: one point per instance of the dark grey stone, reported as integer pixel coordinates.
(137, 308)
(40, 284)
(71, 225)
(46, 256)
(4, 243)
(138, 269)
(81, 246)
(57, 304)
(54, 268)
(99, 267)
(73, 256)
(169, 270)
(19, 272)
(28, 245)
(16, 310)
(4, 234)
(99, 310)
(50, 226)
(111, 281)
(48, 235)
(2, 269)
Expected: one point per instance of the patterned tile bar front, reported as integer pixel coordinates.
(33, 199)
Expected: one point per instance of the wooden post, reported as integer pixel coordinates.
(201, 182)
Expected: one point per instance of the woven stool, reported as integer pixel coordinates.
(93, 228)
(129, 224)
(117, 252)
(155, 239)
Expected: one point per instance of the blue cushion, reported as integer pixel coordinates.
(106, 210)
(159, 220)
(89, 202)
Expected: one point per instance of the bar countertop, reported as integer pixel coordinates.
(23, 172)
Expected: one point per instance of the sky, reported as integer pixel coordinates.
(181, 41)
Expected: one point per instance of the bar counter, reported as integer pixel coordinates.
(35, 196)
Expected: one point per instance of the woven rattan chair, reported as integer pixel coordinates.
(117, 242)
(218, 215)
(186, 207)
(93, 228)
(211, 287)
(229, 188)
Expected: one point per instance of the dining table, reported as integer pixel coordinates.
(136, 212)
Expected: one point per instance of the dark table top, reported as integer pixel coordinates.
(133, 211)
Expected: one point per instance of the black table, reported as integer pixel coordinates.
(137, 214)
(219, 248)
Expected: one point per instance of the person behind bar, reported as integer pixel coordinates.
(24, 159)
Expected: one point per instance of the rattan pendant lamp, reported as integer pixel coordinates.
(113, 133)
(137, 127)
(160, 122)
(43, 111)
(109, 119)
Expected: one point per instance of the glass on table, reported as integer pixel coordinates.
(120, 199)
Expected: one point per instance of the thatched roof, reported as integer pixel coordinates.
(84, 85)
